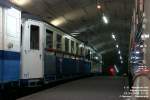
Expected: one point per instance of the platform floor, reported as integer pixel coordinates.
(93, 88)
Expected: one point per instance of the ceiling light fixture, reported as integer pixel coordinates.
(96, 58)
(119, 52)
(75, 33)
(113, 36)
(105, 19)
(122, 62)
(98, 6)
(117, 46)
(58, 21)
(116, 69)
(120, 57)
(20, 2)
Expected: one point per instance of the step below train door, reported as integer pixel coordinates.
(32, 51)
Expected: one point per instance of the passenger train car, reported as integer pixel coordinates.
(33, 51)
(10, 23)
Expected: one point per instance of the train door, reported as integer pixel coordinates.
(32, 51)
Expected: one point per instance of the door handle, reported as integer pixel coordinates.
(26, 51)
(40, 56)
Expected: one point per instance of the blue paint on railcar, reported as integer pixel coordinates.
(10, 66)
(10, 70)
(65, 66)
(81, 66)
(49, 67)
(59, 65)
(69, 66)
(87, 67)
(75, 66)
(9, 55)
(1, 56)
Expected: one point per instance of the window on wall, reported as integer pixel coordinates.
(72, 46)
(59, 42)
(66, 45)
(49, 39)
(34, 37)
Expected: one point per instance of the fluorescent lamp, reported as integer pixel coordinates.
(113, 36)
(116, 68)
(119, 52)
(105, 19)
(58, 21)
(20, 2)
(120, 58)
(121, 62)
(117, 46)
(96, 58)
(75, 33)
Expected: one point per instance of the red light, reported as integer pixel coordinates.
(112, 71)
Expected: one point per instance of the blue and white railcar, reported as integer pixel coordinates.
(10, 27)
(32, 50)
(48, 52)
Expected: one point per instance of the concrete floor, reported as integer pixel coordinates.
(93, 88)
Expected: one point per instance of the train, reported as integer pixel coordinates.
(33, 51)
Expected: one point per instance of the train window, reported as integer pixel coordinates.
(34, 37)
(81, 51)
(49, 39)
(59, 41)
(88, 54)
(77, 48)
(72, 46)
(66, 45)
(85, 52)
